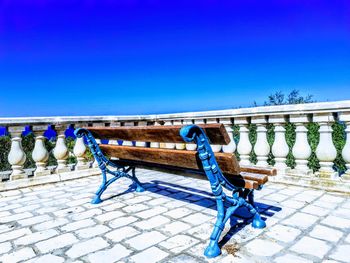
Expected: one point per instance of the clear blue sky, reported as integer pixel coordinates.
(138, 57)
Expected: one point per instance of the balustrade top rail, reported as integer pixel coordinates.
(310, 108)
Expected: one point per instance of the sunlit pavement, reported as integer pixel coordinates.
(170, 222)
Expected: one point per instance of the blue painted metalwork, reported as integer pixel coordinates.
(193, 133)
(240, 197)
(103, 163)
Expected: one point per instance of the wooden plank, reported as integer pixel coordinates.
(259, 178)
(180, 158)
(216, 133)
(259, 170)
(237, 180)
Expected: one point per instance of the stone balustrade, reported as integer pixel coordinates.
(258, 137)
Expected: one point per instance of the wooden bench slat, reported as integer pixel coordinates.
(258, 170)
(249, 181)
(182, 158)
(260, 178)
(216, 133)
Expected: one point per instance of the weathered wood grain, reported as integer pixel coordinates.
(216, 133)
(181, 158)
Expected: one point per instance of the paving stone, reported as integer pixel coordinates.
(122, 233)
(198, 218)
(184, 258)
(315, 210)
(289, 258)
(178, 212)
(152, 254)
(145, 240)
(152, 212)
(324, 204)
(175, 228)
(331, 199)
(293, 204)
(46, 259)
(109, 216)
(78, 225)
(337, 222)
(86, 247)
(5, 247)
(153, 222)
(122, 221)
(347, 239)
(34, 220)
(35, 237)
(15, 217)
(51, 224)
(342, 212)
(92, 231)
(263, 247)
(300, 220)
(56, 242)
(87, 214)
(69, 211)
(18, 255)
(277, 197)
(14, 234)
(109, 255)
(283, 233)
(113, 206)
(131, 209)
(179, 243)
(311, 246)
(341, 253)
(284, 212)
(326, 233)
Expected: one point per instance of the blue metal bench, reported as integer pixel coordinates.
(242, 187)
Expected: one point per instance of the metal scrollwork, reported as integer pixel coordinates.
(193, 133)
(104, 163)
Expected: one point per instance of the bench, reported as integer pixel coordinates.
(222, 169)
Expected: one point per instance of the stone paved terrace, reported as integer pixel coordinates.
(170, 222)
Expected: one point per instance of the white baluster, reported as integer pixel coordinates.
(138, 143)
(60, 152)
(40, 155)
(280, 147)
(168, 145)
(128, 143)
(244, 147)
(214, 147)
(231, 147)
(155, 144)
(179, 146)
(16, 156)
(345, 116)
(261, 147)
(79, 151)
(326, 151)
(301, 149)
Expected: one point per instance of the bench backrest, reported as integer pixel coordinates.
(216, 133)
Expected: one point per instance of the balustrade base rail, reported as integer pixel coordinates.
(52, 178)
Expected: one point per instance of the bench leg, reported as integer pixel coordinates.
(213, 248)
(137, 184)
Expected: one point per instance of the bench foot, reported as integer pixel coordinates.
(96, 200)
(213, 250)
(258, 222)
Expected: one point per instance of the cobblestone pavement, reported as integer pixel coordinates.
(170, 222)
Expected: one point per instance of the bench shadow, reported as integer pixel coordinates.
(206, 199)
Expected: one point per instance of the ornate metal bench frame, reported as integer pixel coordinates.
(240, 197)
